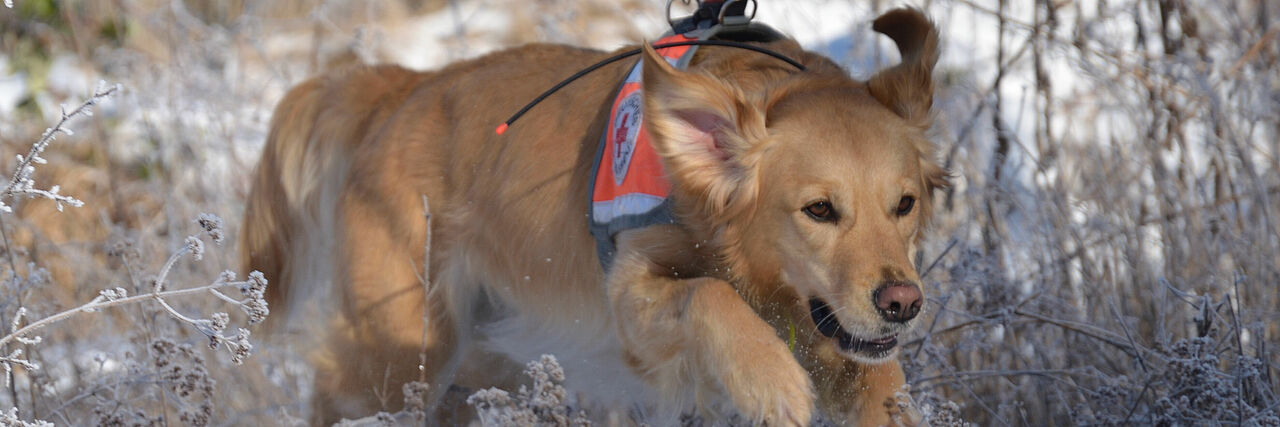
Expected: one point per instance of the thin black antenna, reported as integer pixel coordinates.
(502, 128)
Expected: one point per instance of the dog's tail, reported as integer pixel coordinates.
(280, 188)
(289, 221)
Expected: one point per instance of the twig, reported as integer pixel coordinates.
(425, 280)
(1146, 385)
(1087, 330)
(146, 333)
(1235, 317)
(968, 388)
(25, 364)
(159, 285)
(935, 262)
(1047, 373)
(929, 332)
(991, 235)
(21, 183)
(983, 318)
(98, 304)
(8, 251)
(253, 305)
(13, 273)
(1141, 362)
(64, 404)
(1252, 52)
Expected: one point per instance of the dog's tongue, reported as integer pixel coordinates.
(884, 340)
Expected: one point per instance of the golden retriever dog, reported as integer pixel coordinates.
(799, 198)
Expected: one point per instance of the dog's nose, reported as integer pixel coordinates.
(898, 302)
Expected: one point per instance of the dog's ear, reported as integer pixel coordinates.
(703, 128)
(907, 88)
(934, 175)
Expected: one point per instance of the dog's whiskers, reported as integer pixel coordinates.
(824, 319)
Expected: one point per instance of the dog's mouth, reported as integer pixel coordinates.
(825, 319)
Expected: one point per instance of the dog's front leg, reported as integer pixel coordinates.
(854, 393)
(876, 387)
(679, 332)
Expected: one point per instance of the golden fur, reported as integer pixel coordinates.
(699, 311)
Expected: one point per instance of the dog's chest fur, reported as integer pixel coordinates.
(596, 374)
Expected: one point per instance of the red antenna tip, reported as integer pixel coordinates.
(502, 128)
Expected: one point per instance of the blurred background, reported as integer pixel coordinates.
(1109, 253)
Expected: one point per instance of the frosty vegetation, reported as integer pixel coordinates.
(1109, 254)
(176, 366)
(21, 182)
(546, 403)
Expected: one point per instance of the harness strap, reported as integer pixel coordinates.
(630, 188)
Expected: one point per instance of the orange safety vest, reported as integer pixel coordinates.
(630, 188)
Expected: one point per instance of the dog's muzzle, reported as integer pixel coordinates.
(825, 319)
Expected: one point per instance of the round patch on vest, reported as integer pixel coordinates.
(623, 130)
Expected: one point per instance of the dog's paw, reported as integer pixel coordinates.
(898, 411)
(768, 386)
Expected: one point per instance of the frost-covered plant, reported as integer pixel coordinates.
(176, 366)
(253, 304)
(542, 405)
(1189, 383)
(926, 409)
(546, 404)
(415, 399)
(21, 182)
(183, 370)
(10, 419)
(186, 379)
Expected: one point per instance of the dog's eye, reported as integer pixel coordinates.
(905, 205)
(821, 211)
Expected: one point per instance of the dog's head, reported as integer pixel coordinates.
(811, 180)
